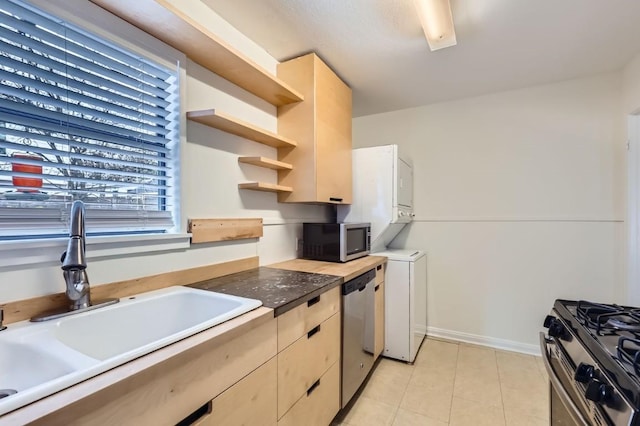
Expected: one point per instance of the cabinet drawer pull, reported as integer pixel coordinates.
(197, 415)
(339, 200)
(313, 331)
(313, 301)
(376, 288)
(313, 387)
(379, 267)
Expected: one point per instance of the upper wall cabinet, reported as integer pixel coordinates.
(166, 22)
(321, 125)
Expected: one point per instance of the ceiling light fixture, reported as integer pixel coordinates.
(437, 23)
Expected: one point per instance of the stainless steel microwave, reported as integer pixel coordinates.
(335, 242)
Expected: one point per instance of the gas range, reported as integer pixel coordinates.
(592, 353)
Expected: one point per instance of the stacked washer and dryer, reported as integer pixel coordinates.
(383, 196)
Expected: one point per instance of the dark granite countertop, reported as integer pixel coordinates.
(278, 289)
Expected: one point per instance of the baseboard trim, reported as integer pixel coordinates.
(492, 342)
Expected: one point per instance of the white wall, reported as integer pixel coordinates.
(519, 200)
(631, 86)
(210, 171)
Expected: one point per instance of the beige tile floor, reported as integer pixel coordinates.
(453, 384)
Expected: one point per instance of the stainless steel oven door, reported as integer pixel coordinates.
(564, 408)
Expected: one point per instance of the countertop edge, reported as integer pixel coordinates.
(50, 404)
(308, 296)
(347, 271)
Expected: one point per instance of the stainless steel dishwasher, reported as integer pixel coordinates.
(358, 297)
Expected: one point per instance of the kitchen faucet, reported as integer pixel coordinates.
(74, 270)
(74, 264)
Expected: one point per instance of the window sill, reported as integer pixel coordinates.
(18, 253)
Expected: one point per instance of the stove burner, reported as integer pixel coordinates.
(629, 350)
(622, 324)
(592, 313)
(608, 319)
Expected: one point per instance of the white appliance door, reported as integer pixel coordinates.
(405, 184)
(398, 314)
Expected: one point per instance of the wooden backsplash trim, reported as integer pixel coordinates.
(25, 309)
(210, 230)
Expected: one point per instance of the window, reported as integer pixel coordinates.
(82, 119)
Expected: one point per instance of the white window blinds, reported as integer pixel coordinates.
(82, 119)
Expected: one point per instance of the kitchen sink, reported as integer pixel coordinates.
(23, 366)
(38, 359)
(150, 319)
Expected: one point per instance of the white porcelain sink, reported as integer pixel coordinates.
(22, 366)
(149, 319)
(38, 359)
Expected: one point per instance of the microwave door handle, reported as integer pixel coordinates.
(574, 411)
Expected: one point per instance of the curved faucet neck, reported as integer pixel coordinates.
(74, 263)
(74, 257)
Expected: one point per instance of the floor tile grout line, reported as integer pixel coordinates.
(455, 375)
(504, 411)
(395, 414)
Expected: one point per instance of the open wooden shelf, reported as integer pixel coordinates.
(166, 22)
(265, 162)
(266, 187)
(229, 124)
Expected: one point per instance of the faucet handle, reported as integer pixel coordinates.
(2, 327)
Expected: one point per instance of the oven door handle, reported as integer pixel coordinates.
(574, 411)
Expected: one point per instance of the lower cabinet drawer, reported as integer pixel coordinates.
(298, 321)
(319, 405)
(251, 401)
(303, 362)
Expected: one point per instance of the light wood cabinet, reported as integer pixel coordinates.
(378, 345)
(300, 320)
(319, 405)
(309, 338)
(251, 401)
(304, 362)
(321, 125)
(166, 392)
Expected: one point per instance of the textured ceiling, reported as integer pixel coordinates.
(379, 49)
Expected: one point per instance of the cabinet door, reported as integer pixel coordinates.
(321, 126)
(379, 320)
(303, 362)
(319, 404)
(333, 137)
(300, 320)
(251, 401)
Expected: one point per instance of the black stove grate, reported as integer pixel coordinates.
(629, 350)
(594, 314)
